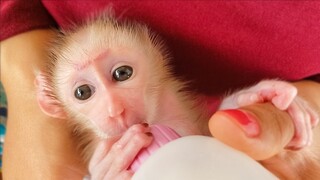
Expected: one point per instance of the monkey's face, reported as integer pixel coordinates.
(109, 75)
(108, 88)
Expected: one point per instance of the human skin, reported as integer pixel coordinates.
(37, 146)
(51, 156)
(270, 147)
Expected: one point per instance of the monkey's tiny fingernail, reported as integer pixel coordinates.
(247, 122)
(149, 134)
(145, 124)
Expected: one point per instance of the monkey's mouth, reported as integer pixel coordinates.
(115, 127)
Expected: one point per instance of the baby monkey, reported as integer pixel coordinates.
(112, 79)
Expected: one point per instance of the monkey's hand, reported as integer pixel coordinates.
(283, 96)
(113, 157)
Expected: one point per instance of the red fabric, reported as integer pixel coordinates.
(218, 44)
(17, 16)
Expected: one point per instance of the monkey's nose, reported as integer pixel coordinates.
(113, 102)
(115, 109)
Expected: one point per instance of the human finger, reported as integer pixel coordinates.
(275, 129)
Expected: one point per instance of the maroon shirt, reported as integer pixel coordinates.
(217, 44)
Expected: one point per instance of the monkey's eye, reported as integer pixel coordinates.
(84, 92)
(122, 73)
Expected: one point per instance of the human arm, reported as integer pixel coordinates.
(30, 151)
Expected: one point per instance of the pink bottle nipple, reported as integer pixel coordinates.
(162, 135)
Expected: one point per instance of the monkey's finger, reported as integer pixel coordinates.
(280, 93)
(119, 158)
(100, 152)
(248, 98)
(284, 96)
(134, 129)
(303, 128)
(314, 117)
(128, 153)
(281, 96)
(122, 155)
(105, 146)
(275, 130)
(124, 175)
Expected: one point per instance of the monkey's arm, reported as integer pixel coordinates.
(276, 131)
(37, 147)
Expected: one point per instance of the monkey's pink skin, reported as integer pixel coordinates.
(162, 135)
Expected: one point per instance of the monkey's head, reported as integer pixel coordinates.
(104, 74)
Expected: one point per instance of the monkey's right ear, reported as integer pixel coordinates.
(48, 104)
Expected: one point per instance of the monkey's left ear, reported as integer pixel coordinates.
(48, 104)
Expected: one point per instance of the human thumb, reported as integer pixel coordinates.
(260, 130)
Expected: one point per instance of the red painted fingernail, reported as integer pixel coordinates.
(246, 121)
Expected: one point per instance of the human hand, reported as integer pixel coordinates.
(283, 96)
(265, 132)
(113, 157)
